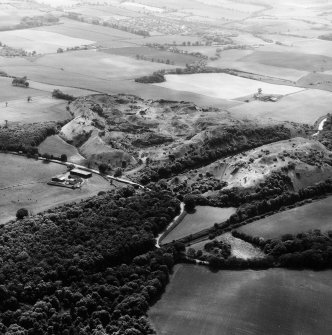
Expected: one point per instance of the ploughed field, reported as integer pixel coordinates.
(316, 215)
(24, 184)
(249, 302)
(204, 217)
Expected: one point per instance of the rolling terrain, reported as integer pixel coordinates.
(205, 123)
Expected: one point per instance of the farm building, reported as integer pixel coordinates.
(81, 173)
(60, 178)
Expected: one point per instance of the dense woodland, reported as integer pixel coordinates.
(311, 249)
(21, 137)
(86, 268)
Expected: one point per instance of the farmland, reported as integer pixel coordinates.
(293, 60)
(154, 55)
(23, 184)
(40, 42)
(316, 215)
(56, 146)
(204, 217)
(223, 86)
(103, 36)
(289, 108)
(250, 302)
(231, 125)
(44, 108)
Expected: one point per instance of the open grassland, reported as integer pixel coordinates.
(40, 109)
(153, 54)
(89, 64)
(263, 70)
(104, 36)
(221, 85)
(56, 146)
(273, 302)
(316, 215)
(204, 217)
(24, 184)
(40, 41)
(306, 107)
(9, 92)
(75, 74)
(293, 60)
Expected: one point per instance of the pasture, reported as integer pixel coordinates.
(42, 42)
(306, 106)
(222, 85)
(40, 109)
(76, 77)
(316, 215)
(262, 70)
(153, 54)
(204, 217)
(104, 36)
(89, 64)
(293, 60)
(56, 146)
(249, 302)
(9, 92)
(24, 184)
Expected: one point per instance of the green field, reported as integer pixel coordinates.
(293, 60)
(305, 107)
(103, 36)
(316, 215)
(222, 85)
(155, 54)
(39, 109)
(56, 146)
(204, 217)
(9, 92)
(274, 302)
(24, 184)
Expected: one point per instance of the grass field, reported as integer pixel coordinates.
(263, 70)
(40, 109)
(103, 36)
(151, 53)
(204, 217)
(272, 302)
(55, 145)
(293, 60)
(316, 215)
(9, 92)
(223, 86)
(23, 184)
(40, 41)
(306, 107)
(89, 64)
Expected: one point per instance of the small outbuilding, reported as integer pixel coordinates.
(61, 178)
(81, 173)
